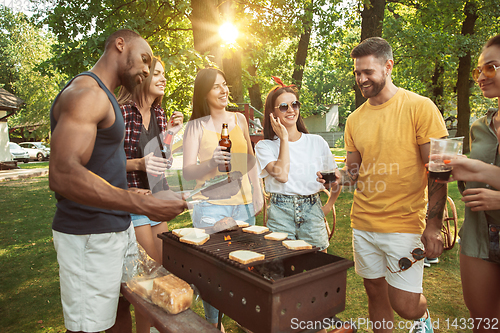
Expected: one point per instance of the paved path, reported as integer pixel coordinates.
(28, 173)
(22, 173)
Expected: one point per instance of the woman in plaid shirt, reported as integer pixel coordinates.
(146, 126)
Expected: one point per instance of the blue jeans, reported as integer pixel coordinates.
(300, 216)
(205, 215)
(140, 220)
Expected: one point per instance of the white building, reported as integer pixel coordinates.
(9, 104)
(322, 124)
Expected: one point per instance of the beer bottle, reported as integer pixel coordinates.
(164, 150)
(225, 142)
(167, 141)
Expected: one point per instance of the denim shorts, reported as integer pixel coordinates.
(205, 214)
(140, 220)
(300, 216)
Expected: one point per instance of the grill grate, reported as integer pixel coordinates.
(220, 248)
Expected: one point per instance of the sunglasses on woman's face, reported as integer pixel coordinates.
(488, 70)
(405, 263)
(283, 107)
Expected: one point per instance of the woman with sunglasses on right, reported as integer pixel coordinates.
(289, 159)
(479, 267)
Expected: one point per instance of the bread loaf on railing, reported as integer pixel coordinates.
(172, 294)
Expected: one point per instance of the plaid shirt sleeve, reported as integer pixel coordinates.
(133, 125)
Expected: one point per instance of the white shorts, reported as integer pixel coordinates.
(90, 271)
(374, 251)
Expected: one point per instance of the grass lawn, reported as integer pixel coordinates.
(37, 165)
(29, 287)
(338, 151)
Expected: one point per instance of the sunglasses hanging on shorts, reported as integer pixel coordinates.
(283, 107)
(488, 70)
(405, 263)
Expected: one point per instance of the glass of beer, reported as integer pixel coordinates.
(443, 150)
(329, 176)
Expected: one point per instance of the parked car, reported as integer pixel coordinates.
(37, 150)
(18, 153)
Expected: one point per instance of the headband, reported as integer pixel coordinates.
(278, 81)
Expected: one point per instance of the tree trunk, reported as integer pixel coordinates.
(254, 90)
(232, 69)
(205, 22)
(463, 81)
(372, 22)
(372, 19)
(301, 55)
(300, 58)
(437, 85)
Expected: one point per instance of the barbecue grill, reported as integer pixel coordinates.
(266, 296)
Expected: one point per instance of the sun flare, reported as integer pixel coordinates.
(228, 33)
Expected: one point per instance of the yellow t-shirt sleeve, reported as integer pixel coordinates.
(429, 123)
(348, 140)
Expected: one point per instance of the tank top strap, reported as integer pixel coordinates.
(110, 95)
(236, 119)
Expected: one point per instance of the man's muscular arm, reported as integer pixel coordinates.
(80, 110)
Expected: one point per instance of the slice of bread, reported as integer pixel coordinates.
(297, 244)
(245, 257)
(255, 229)
(185, 231)
(242, 224)
(142, 287)
(277, 236)
(195, 238)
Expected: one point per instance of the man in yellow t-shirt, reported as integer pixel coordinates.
(387, 142)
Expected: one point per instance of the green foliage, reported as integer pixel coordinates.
(340, 143)
(423, 41)
(269, 32)
(25, 47)
(8, 73)
(82, 29)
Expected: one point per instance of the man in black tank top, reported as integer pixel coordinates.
(91, 227)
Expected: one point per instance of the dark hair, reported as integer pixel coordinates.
(269, 109)
(493, 41)
(141, 91)
(126, 34)
(203, 83)
(376, 46)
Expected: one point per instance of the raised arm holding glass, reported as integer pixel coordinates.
(479, 235)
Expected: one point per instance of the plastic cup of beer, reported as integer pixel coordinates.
(443, 150)
(329, 176)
